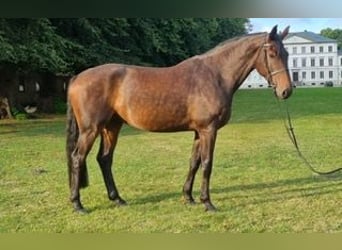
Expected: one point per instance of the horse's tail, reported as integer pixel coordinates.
(72, 131)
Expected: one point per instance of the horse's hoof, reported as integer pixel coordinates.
(78, 208)
(81, 211)
(120, 202)
(210, 207)
(190, 202)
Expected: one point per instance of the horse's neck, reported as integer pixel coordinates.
(236, 62)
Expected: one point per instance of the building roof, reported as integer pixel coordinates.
(308, 35)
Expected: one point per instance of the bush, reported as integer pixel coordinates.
(18, 115)
(21, 116)
(60, 106)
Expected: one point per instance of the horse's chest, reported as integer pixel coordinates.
(208, 113)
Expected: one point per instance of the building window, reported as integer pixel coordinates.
(294, 50)
(331, 74)
(294, 62)
(295, 76)
(312, 49)
(321, 62)
(303, 50)
(303, 75)
(313, 75)
(320, 49)
(321, 74)
(341, 61)
(303, 62)
(330, 48)
(330, 61)
(312, 62)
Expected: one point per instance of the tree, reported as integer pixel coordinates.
(70, 45)
(168, 41)
(31, 45)
(231, 27)
(333, 34)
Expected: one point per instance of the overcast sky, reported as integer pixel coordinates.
(296, 24)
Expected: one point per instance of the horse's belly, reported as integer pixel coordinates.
(158, 119)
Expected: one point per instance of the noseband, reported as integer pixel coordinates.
(270, 73)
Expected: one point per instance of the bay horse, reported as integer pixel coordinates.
(194, 95)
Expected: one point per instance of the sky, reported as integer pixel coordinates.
(296, 24)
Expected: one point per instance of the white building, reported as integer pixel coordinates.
(314, 60)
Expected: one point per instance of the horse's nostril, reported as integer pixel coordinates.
(284, 94)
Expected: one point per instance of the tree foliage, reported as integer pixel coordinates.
(333, 34)
(67, 46)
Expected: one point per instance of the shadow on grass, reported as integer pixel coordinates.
(265, 192)
(262, 192)
(32, 127)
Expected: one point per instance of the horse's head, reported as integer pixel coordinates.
(272, 63)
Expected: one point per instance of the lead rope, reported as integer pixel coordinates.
(290, 131)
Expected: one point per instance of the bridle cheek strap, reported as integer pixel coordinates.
(270, 74)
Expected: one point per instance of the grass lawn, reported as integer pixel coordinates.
(258, 183)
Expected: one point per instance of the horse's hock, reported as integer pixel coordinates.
(5, 111)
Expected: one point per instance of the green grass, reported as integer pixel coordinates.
(258, 183)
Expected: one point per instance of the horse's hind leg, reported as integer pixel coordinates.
(195, 162)
(109, 136)
(79, 171)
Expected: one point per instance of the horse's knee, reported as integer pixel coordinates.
(207, 166)
(103, 160)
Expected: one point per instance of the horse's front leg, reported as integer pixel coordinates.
(207, 143)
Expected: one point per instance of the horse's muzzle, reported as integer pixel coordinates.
(283, 93)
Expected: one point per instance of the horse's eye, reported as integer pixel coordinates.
(273, 53)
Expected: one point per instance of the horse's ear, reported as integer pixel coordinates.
(285, 32)
(272, 35)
